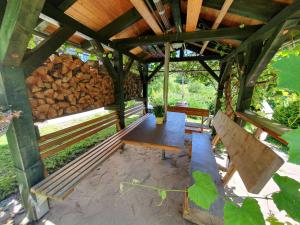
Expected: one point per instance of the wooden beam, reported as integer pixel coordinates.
(202, 35)
(58, 15)
(99, 52)
(193, 13)
(65, 4)
(143, 10)
(47, 47)
(116, 26)
(271, 46)
(154, 72)
(209, 70)
(19, 20)
(260, 10)
(119, 87)
(128, 66)
(186, 59)
(166, 79)
(286, 13)
(14, 40)
(143, 69)
(175, 4)
(218, 20)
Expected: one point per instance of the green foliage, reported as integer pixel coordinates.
(158, 110)
(248, 214)
(293, 137)
(288, 72)
(203, 192)
(288, 198)
(273, 220)
(288, 113)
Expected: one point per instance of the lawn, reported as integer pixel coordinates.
(8, 183)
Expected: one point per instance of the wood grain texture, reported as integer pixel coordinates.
(203, 160)
(255, 162)
(62, 182)
(142, 8)
(189, 111)
(168, 135)
(272, 127)
(193, 13)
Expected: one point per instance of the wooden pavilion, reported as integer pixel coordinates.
(146, 31)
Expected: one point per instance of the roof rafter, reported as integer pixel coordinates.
(218, 20)
(202, 35)
(192, 15)
(175, 4)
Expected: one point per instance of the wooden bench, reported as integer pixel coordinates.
(192, 127)
(271, 127)
(138, 109)
(62, 182)
(203, 159)
(255, 162)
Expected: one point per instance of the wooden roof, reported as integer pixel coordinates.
(120, 19)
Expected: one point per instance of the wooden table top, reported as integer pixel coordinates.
(168, 136)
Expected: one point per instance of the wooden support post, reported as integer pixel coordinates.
(166, 79)
(144, 76)
(18, 22)
(119, 87)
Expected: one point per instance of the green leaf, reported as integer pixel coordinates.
(293, 137)
(273, 220)
(288, 199)
(203, 192)
(288, 72)
(248, 214)
(163, 195)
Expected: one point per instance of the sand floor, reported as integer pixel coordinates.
(97, 199)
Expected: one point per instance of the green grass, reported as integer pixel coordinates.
(8, 182)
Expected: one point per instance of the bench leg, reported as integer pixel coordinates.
(41, 205)
(229, 174)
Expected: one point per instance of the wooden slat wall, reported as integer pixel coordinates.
(52, 143)
(254, 161)
(135, 110)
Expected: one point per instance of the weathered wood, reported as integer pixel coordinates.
(166, 79)
(272, 127)
(17, 25)
(168, 136)
(144, 11)
(209, 70)
(229, 173)
(154, 72)
(62, 182)
(189, 111)
(254, 161)
(185, 59)
(48, 46)
(175, 4)
(203, 160)
(192, 15)
(202, 35)
(18, 22)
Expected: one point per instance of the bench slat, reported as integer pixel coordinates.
(61, 183)
(203, 160)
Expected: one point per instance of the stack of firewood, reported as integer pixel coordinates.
(66, 85)
(132, 86)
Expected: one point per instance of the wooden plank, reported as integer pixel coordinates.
(166, 79)
(229, 173)
(196, 36)
(203, 160)
(255, 162)
(75, 140)
(52, 135)
(175, 4)
(152, 145)
(171, 133)
(189, 111)
(18, 22)
(193, 13)
(72, 135)
(272, 127)
(48, 46)
(142, 8)
(79, 160)
(66, 174)
(218, 20)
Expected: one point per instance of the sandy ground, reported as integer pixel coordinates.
(97, 199)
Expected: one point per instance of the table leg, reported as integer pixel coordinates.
(163, 154)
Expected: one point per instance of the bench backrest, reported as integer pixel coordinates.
(189, 111)
(55, 142)
(255, 162)
(138, 109)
